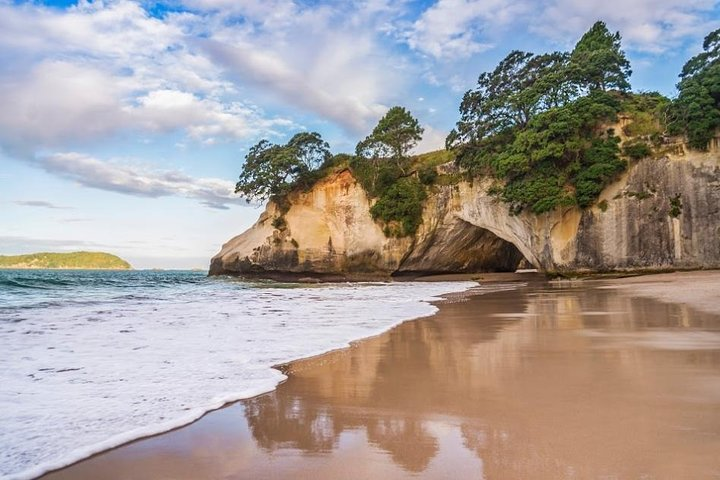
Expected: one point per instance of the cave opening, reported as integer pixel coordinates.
(462, 247)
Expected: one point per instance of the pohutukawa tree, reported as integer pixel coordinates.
(598, 62)
(392, 138)
(273, 170)
(522, 85)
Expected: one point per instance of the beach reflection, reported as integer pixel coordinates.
(564, 382)
(576, 383)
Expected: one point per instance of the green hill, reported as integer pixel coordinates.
(74, 260)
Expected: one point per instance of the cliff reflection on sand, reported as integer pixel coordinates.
(557, 389)
(542, 383)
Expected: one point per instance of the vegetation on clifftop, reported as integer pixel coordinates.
(274, 170)
(75, 260)
(381, 165)
(696, 111)
(537, 124)
(541, 124)
(551, 129)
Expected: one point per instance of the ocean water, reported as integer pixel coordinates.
(92, 359)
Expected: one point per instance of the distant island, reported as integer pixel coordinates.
(74, 260)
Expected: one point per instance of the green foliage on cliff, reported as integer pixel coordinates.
(400, 207)
(597, 62)
(696, 111)
(393, 137)
(75, 260)
(647, 113)
(274, 170)
(536, 124)
(384, 169)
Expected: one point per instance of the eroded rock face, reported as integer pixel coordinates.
(328, 231)
(663, 213)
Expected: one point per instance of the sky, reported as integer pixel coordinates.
(124, 124)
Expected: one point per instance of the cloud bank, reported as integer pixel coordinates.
(74, 77)
(138, 180)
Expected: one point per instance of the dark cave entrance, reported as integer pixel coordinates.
(463, 247)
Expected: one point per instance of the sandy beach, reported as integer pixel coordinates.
(592, 379)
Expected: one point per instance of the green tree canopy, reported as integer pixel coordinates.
(535, 124)
(696, 111)
(392, 138)
(598, 62)
(310, 150)
(510, 96)
(272, 170)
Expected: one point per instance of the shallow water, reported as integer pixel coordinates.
(538, 383)
(92, 359)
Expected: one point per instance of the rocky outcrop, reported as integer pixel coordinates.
(662, 214)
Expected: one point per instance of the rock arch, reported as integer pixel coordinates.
(329, 230)
(459, 246)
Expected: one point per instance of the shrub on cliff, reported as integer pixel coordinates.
(381, 166)
(400, 207)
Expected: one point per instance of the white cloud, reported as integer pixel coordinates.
(338, 97)
(331, 60)
(117, 37)
(96, 69)
(457, 29)
(58, 101)
(432, 139)
(138, 180)
(646, 25)
(203, 119)
(452, 29)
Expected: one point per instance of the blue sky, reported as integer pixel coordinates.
(123, 125)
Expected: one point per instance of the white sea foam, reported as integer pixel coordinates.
(81, 373)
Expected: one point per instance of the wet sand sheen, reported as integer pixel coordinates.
(547, 382)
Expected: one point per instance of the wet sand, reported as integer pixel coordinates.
(570, 380)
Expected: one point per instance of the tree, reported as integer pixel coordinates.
(310, 150)
(534, 123)
(560, 158)
(510, 96)
(701, 61)
(696, 111)
(392, 138)
(504, 102)
(273, 170)
(598, 63)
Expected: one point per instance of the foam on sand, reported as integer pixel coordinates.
(97, 367)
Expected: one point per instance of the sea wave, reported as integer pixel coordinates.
(146, 352)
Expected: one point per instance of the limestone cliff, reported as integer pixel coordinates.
(662, 214)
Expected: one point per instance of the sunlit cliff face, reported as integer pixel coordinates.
(465, 228)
